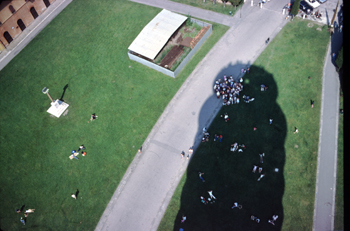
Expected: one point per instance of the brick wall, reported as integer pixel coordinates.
(23, 13)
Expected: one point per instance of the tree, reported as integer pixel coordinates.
(339, 59)
(295, 8)
(235, 2)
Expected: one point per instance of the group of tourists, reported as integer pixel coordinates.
(228, 89)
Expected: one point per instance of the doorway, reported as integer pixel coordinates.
(8, 37)
(47, 3)
(33, 12)
(21, 25)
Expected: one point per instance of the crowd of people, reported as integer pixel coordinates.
(228, 89)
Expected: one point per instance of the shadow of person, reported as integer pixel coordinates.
(64, 91)
(229, 174)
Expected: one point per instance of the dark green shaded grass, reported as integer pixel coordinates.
(339, 202)
(284, 66)
(208, 5)
(85, 46)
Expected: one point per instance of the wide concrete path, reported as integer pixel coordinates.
(148, 185)
(328, 142)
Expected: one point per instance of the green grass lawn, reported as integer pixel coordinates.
(295, 53)
(208, 5)
(339, 205)
(85, 46)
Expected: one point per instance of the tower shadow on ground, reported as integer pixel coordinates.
(229, 174)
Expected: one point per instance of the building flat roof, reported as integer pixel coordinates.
(156, 34)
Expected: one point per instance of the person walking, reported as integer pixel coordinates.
(312, 103)
(270, 121)
(200, 176)
(183, 219)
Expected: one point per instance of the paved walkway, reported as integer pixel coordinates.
(328, 142)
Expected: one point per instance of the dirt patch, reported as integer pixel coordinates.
(186, 42)
(171, 57)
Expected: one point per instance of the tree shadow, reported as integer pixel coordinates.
(64, 91)
(229, 174)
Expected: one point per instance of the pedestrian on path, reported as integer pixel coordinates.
(220, 138)
(183, 219)
(200, 176)
(190, 150)
(270, 121)
(254, 128)
(182, 154)
(211, 194)
(216, 137)
(248, 69)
